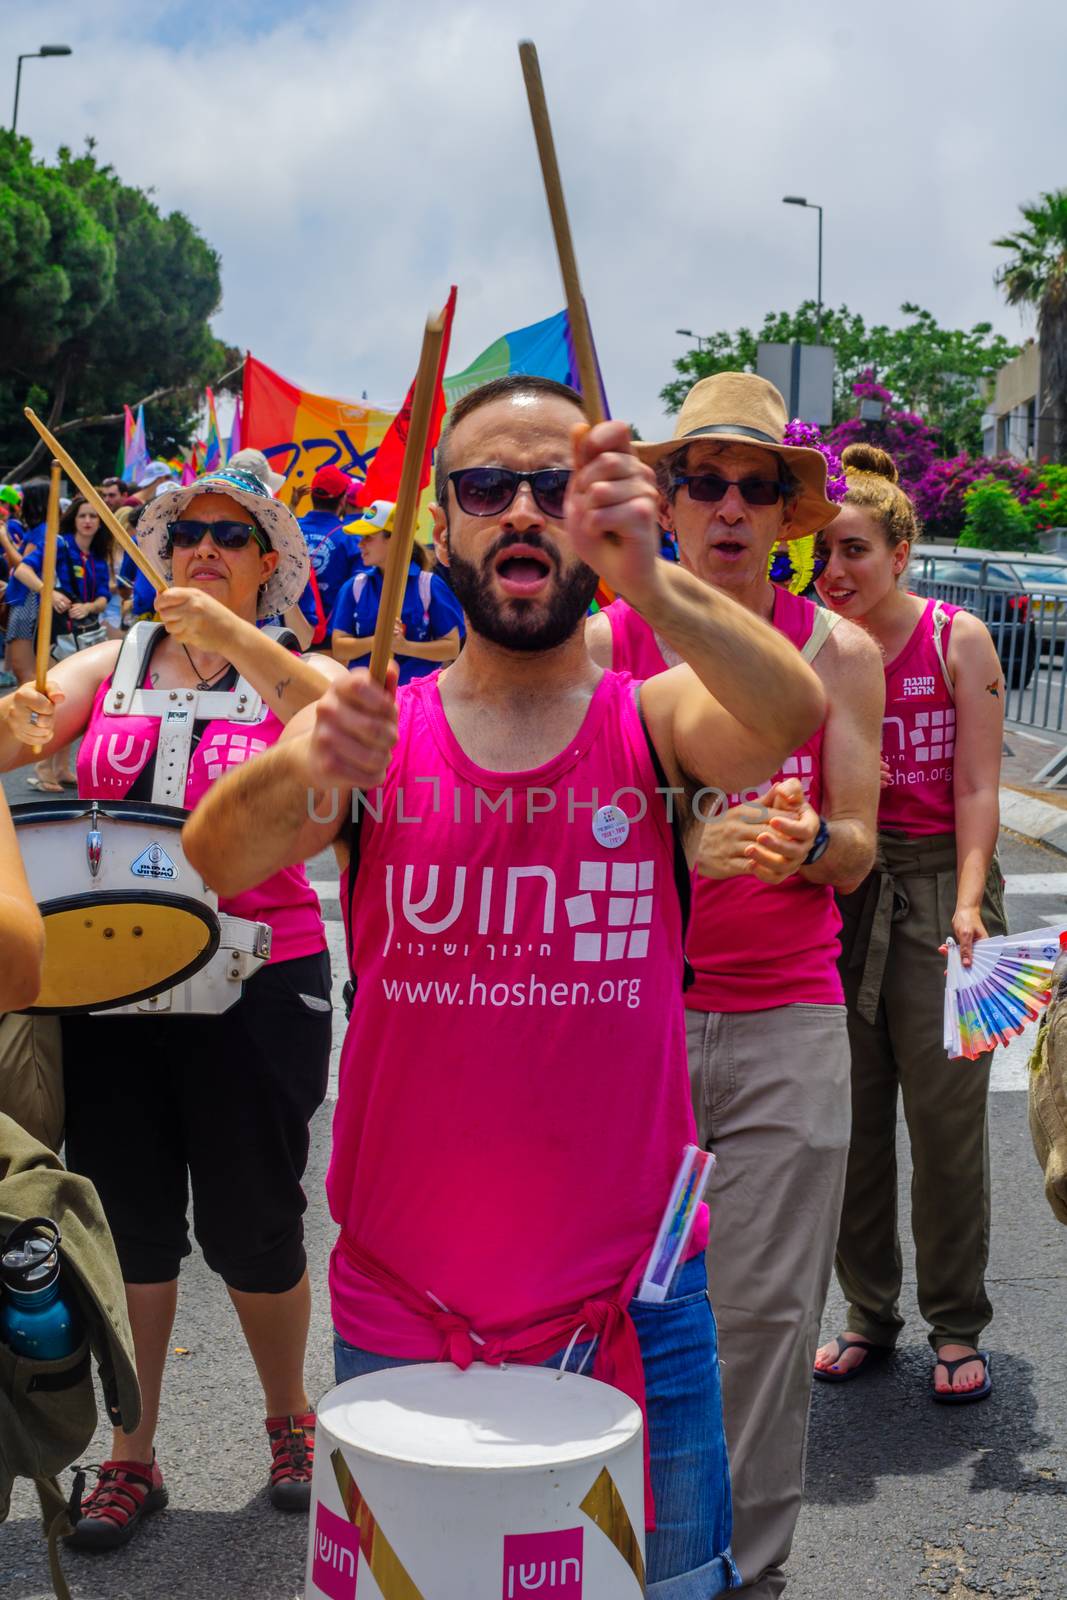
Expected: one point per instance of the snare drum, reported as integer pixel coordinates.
(125, 915)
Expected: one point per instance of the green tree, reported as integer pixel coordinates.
(994, 519)
(1036, 276)
(938, 373)
(103, 301)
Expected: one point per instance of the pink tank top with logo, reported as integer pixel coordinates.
(514, 1097)
(752, 945)
(116, 749)
(919, 734)
(635, 647)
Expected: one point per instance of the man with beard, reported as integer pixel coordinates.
(513, 1096)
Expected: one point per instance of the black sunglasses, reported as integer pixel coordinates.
(487, 491)
(709, 488)
(186, 535)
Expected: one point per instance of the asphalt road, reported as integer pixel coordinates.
(905, 1500)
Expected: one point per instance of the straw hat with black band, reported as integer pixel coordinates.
(740, 408)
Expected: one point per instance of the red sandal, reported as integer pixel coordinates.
(126, 1492)
(292, 1446)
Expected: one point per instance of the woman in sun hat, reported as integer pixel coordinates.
(430, 629)
(221, 1102)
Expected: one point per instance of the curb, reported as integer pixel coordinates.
(1034, 819)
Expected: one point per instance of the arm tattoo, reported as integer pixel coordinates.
(993, 688)
(280, 688)
(153, 678)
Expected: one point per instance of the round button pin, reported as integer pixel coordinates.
(611, 827)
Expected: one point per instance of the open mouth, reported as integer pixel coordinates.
(838, 597)
(523, 570)
(729, 549)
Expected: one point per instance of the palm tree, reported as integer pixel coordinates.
(1037, 276)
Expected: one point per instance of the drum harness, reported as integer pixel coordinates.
(243, 945)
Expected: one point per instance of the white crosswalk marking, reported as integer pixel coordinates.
(1037, 883)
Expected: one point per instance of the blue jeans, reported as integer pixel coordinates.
(688, 1556)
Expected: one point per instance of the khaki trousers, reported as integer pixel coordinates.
(771, 1098)
(902, 913)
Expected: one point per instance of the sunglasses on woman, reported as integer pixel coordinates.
(186, 535)
(487, 491)
(709, 488)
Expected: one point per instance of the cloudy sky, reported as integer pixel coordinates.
(350, 160)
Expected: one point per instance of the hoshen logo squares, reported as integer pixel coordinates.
(933, 735)
(623, 925)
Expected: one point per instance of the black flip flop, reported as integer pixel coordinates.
(964, 1397)
(875, 1353)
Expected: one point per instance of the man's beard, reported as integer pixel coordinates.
(522, 624)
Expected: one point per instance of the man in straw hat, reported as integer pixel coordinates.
(514, 1099)
(768, 1048)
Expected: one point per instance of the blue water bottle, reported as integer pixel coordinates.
(38, 1319)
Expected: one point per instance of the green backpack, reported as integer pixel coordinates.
(48, 1408)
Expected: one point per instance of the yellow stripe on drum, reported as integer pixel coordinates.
(604, 1505)
(100, 953)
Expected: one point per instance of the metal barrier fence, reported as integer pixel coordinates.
(1030, 634)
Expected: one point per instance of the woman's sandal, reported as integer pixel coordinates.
(44, 786)
(874, 1354)
(962, 1397)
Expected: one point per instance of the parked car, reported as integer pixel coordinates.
(1045, 578)
(986, 582)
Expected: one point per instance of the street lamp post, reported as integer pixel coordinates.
(45, 50)
(701, 338)
(799, 200)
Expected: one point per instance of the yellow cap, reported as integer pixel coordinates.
(378, 517)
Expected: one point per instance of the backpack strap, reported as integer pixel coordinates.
(425, 593)
(59, 1519)
(683, 877)
(823, 624)
(941, 620)
(319, 633)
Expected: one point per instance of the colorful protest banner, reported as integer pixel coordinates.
(299, 432)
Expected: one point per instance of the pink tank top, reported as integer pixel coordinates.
(752, 945)
(635, 648)
(116, 749)
(514, 1096)
(919, 734)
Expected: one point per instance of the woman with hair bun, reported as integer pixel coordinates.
(936, 872)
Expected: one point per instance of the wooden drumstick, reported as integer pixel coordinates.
(588, 373)
(407, 500)
(48, 584)
(102, 509)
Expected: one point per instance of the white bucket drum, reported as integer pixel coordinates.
(436, 1484)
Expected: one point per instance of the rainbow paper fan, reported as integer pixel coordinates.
(1006, 987)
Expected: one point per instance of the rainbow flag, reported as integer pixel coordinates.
(136, 457)
(299, 432)
(545, 348)
(212, 444)
(235, 442)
